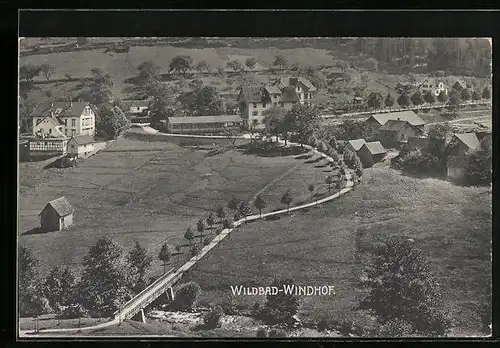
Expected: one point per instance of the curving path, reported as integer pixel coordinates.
(167, 280)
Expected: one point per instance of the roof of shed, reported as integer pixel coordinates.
(61, 206)
(375, 148)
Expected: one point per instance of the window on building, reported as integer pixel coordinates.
(66, 132)
(255, 113)
(65, 121)
(73, 132)
(254, 105)
(263, 105)
(50, 130)
(73, 122)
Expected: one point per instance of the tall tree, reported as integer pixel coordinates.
(59, 287)
(28, 72)
(112, 121)
(404, 100)
(476, 95)
(273, 120)
(164, 256)
(478, 166)
(203, 101)
(281, 307)
(389, 100)
(233, 203)
(329, 180)
(465, 94)
(100, 89)
(402, 286)
(287, 199)
(211, 220)
(311, 190)
(149, 72)
(280, 61)
(454, 100)
(31, 301)
(221, 214)
(416, 98)
(304, 120)
(162, 103)
(235, 65)
(200, 227)
(250, 62)
(181, 63)
(104, 284)
(375, 100)
(139, 262)
(189, 235)
(260, 204)
(443, 97)
(486, 93)
(244, 209)
(429, 97)
(202, 65)
(47, 70)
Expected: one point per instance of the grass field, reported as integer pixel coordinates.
(324, 246)
(149, 192)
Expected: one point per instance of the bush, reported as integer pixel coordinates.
(73, 312)
(396, 328)
(212, 318)
(261, 333)
(206, 241)
(186, 296)
(323, 324)
(277, 333)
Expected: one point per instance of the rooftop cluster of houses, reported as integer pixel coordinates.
(398, 129)
(254, 101)
(61, 128)
(285, 92)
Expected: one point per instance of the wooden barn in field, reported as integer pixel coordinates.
(371, 153)
(57, 215)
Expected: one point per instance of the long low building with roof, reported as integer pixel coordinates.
(202, 124)
(375, 122)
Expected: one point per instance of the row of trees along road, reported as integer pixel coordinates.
(456, 96)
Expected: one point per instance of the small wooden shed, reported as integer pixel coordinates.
(371, 153)
(57, 215)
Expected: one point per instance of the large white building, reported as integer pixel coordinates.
(256, 100)
(63, 119)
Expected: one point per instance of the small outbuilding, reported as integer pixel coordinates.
(393, 132)
(371, 153)
(57, 215)
(355, 145)
(80, 146)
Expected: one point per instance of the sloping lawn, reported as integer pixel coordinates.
(325, 246)
(149, 192)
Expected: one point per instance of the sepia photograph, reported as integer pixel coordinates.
(254, 187)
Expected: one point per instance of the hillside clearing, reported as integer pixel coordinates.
(323, 246)
(149, 192)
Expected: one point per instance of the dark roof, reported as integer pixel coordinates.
(308, 84)
(204, 119)
(56, 121)
(252, 94)
(83, 139)
(357, 143)
(289, 95)
(73, 109)
(61, 206)
(469, 139)
(394, 125)
(409, 116)
(375, 148)
(272, 89)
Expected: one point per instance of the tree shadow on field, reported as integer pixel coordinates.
(36, 230)
(272, 218)
(316, 160)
